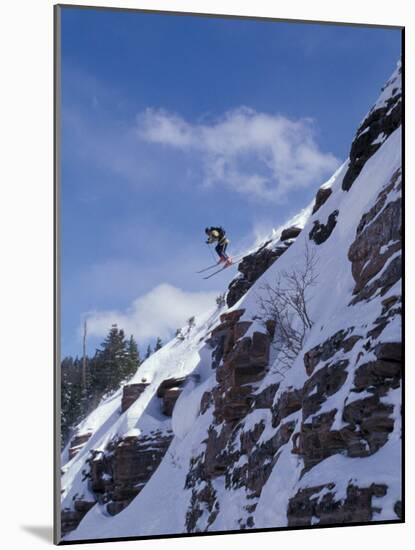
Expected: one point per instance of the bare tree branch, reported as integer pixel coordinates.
(285, 304)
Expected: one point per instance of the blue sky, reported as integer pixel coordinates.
(172, 123)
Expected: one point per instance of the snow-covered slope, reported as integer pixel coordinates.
(254, 442)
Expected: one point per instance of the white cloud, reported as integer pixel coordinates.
(157, 313)
(262, 155)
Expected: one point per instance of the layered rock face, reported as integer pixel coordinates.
(245, 458)
(241, 362)
(320, 502)
(116, 475)
(377, 248)
(383, 119)
(119, 474)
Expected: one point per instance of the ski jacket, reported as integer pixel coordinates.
(217, 234)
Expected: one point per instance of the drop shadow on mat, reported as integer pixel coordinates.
(43, 532)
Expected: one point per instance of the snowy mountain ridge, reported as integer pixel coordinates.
(231, 430)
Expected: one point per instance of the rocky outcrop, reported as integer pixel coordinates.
(265, 398)
(131, 392)
(366, 421)
(341, 340)
(358, 427)
(119, 473)
(325, 382)
(170, 383)
(376, 249)
(382, 374)
(320, 232)
(368, 425)
(70, 519)
(169, 400)
(252, 267)
(77, 443)
(290, 233)
(288, 402)
(391, 307)
(241, 362)
(169, 391)
(322, 195)
(261, 459)
(319, 505)
(377, 126)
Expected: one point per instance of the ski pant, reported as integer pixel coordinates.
(221, 249)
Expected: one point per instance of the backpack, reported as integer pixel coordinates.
(221, 231)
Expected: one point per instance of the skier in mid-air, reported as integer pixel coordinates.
(217, 234)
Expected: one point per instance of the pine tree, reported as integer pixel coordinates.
(71, 396)
(148, 352)
(133, 358)
(133, 352)
(159, 344)
(111, 360)
(115, 362)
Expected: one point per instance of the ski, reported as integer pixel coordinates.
(207, 268)
(235, 260)
(218, 271)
